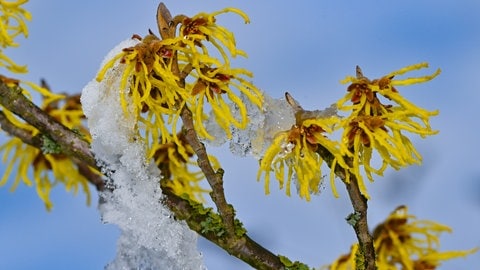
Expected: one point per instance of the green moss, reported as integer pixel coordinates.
(78, 132)
(289, 265)
(49, 146)
(360, 259)
(353, 218)
(212, 222)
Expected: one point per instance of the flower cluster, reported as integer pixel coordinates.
(373, 126)
(404, 242)
(295, 151)
(162, 77)
(12, 24)
(49, 161)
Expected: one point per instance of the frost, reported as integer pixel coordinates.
(275, 116)
(287, 148)
(151, 238)
(218, 133)
(330, 111)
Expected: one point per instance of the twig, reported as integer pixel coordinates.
(359, 203)
(70, 142)
(37, 141)
(364, 237)
(215, 179)
(359, 217)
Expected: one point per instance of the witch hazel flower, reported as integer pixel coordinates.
(379, 117)
(162, 77)
(293, 153)
(215, 83)
(403, 241)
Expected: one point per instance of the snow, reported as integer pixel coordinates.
(277, 115)
(264, 123)
(151, 238)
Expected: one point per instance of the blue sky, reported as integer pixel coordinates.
(304, 48)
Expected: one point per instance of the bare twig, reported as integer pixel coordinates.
(359, 203)
(360, 226)
(215, 179)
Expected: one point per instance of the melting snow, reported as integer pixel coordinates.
(151, 238)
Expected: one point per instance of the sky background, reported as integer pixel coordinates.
(304, 48)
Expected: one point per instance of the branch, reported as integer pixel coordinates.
(70, 142)
(359, 203)
(215, 179)
(358, 219)
(37, 141)
(360, 225)
(242, 247)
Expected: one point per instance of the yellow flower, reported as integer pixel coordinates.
(13, 19)
(408, 243)
(211, 86)
(404, 242)
(163, 76)
(215, 79)
(12, 24)
(203, 27)
(152, 86)
(376, 127)
(176, 172)
(345, 261)
(295, 151)
(50, 161)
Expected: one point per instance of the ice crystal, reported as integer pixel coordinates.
(277, 115)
